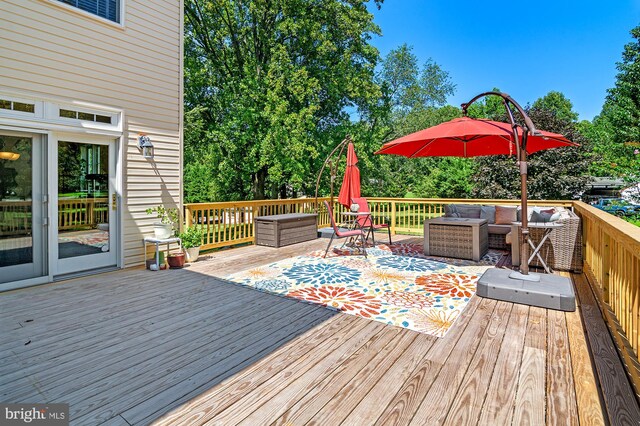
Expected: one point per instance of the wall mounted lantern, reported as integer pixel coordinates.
(144, 143)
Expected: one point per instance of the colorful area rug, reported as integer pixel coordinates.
(94, 238)
(395, 284)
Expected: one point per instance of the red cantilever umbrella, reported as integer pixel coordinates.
(468, 137)
(351, 181)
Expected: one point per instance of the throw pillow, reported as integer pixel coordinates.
(555, 217)
(505, 215)
(540, 216)
(469, 211)
(489, 213)
(450, 211)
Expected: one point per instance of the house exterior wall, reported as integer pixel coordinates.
(51, 50)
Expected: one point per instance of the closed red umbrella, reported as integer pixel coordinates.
(468, 137)
(351, 181)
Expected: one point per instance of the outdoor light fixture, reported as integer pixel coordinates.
(11, 156)
(144, 143)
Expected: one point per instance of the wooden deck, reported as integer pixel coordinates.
(184, 347)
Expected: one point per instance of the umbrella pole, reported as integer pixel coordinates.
(524, 216)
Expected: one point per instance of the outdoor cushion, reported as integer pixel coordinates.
(505, 215)
(540, 215)
(499, 229)
(451, 211)
(468, 211)
(489, 213)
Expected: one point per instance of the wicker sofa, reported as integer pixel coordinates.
(562, 251)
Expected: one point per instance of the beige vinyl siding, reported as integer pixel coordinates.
(52, 51)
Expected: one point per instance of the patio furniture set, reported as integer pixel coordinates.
(465, 231)
(468, 231)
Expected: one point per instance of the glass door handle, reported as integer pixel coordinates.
(114, 202)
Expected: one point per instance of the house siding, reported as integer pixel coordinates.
(50, 50)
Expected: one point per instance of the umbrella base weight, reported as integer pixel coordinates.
(551, 292)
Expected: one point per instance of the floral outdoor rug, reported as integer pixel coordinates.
(395, 284)
(94, 238)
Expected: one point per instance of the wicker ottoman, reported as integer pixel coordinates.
(461, 238)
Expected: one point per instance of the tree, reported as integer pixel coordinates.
(554, 174)
(558, 104)
(267, 90)
(415, 98)
(615, 133)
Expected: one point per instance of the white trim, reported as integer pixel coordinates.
(101, 259)
(47, 115)
(116, 25)
(16, 285)
(38, 107)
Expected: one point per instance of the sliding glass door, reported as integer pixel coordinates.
(22, 207)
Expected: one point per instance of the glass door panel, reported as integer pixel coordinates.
(85, 237)
(21, 207)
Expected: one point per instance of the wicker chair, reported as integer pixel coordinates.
(563, 249)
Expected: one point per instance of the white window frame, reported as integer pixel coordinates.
(84, 13)
(52, 111)
(38, 108)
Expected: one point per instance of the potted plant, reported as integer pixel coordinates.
(191, 242)
(168, 218)
(175, 260)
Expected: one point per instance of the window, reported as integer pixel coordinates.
(85, 116)
(108, 9)
(17, 106)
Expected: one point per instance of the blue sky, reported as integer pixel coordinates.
(526, 48)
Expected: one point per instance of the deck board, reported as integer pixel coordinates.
(184, 347)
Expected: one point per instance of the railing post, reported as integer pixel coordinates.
(393, 217)
(606, 266)
(252, 231)
(187, 217)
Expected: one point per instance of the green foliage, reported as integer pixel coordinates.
(191, 237)
(267, 87)
(415, 97)
(560, 173)
(166, 216)
(615, 133)
(558, 104)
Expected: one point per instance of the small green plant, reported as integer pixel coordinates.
(166, 216)
(191, 237)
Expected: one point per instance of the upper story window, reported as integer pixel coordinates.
(108, 9)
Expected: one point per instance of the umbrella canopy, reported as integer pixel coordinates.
(469, 137)
(351, 181)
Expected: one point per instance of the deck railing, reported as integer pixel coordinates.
(612, 264)
(612, 246)
(230, 223)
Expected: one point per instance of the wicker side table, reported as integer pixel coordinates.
(456, 237)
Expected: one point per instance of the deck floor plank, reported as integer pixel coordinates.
(442, 394)
(530, 400)
(184, 347)
(561, 398)
(586, 388)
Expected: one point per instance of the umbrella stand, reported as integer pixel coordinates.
(333, 166)
(521, 152)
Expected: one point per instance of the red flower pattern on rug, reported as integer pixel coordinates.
(407, 300)
(453, 285)
(340, 298)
